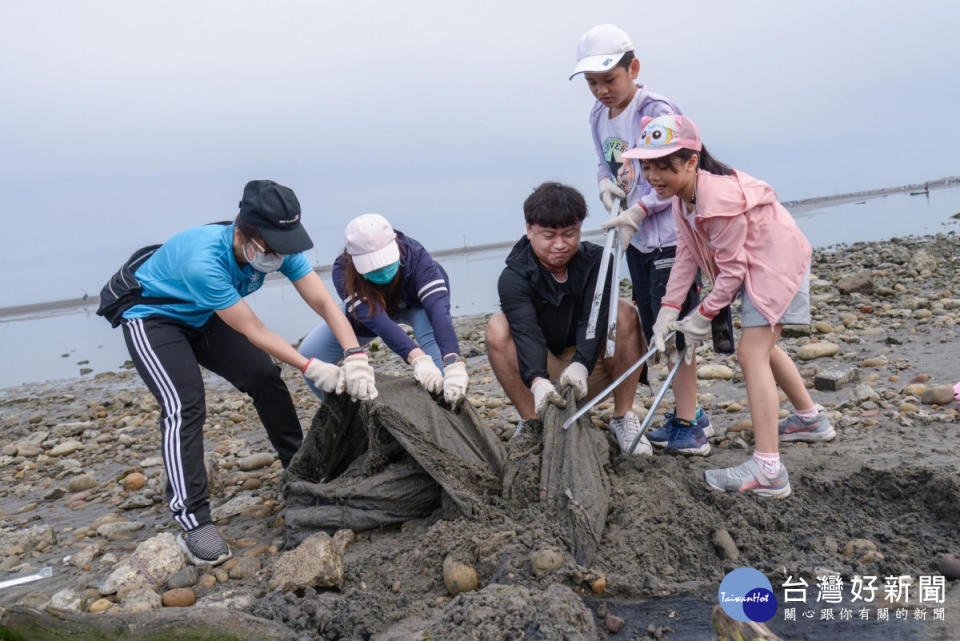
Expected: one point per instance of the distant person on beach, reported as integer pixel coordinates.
(546, 291)
(210, 269)
(605, 56)
(386, 278)
(732, 227)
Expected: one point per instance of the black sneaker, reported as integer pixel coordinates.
(204, 545)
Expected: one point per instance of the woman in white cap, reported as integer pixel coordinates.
(384, 278)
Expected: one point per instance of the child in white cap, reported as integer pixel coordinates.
(605, 56)
(731, 226)
(384, 278)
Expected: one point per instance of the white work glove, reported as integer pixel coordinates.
(324, 376)
(427, 374)
(575, 375)
(610, 191)
(455, 382)
(628, 221)
(356, 378)
(696, 329)
(545, 393)
(662, 327)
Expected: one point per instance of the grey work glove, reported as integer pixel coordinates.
(609, 192)
(427, 374)
(356, 378)
(575, 375)
(544, 393)
(455, 383)
(627, 222)
(324, 376)
(696, 329)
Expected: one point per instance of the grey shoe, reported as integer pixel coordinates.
(625, 429)
(204, 545)
(794, 428)
(748, 477)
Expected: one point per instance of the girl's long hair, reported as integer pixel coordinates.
(705, 161)
(377, 297)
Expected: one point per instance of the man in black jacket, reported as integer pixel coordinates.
(546, 292)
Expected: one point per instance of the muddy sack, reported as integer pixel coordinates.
(572, 485)
(369, 464)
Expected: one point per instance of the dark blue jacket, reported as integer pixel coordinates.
(424, 284)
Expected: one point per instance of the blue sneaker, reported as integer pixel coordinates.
(688, 438)
(664, 434)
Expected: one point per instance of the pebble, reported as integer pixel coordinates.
(178, 598)
(599, 585)
(949, 566)
(811, 351)
(133, 481)
(65, 448)
(100, 605)
(915, 389)
(83, 482)
(613, 623)
(714, 371)
(458, 577)
(938, 395)
(255, 461)
(207, 581)
(725, 544)
(545, 561)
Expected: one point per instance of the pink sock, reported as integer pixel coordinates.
(769, 463)
(808, 415)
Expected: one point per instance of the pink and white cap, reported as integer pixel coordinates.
(600, 49)
(663, 135)
(371, 242)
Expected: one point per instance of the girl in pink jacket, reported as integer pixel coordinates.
(732, 227)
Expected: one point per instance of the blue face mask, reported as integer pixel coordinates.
(383, 275)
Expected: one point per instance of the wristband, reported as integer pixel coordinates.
(352, 351)
(450, 359)
(303, 370)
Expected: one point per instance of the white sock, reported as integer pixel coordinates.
(769, 463)
(808, 415)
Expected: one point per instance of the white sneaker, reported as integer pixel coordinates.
(626, 429)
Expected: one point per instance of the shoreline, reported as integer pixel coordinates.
(67, 305)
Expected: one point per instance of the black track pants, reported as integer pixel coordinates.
(167, 354)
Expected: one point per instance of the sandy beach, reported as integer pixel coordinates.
(81, 486)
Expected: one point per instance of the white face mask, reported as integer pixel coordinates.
(261, 261)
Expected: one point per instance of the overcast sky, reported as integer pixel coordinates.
(125, 122)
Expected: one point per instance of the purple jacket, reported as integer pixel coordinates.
(657, 229)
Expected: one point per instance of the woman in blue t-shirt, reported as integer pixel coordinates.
(209, 270)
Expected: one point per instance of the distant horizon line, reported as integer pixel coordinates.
(90, 301)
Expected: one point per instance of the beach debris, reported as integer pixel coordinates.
(834, 378)
(28, 577)
(316, 562)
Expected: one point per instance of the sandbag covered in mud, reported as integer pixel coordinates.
(374, 463)
(573, 483)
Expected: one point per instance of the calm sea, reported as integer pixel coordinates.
(60, 343)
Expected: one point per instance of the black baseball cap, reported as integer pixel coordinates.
(275, 211)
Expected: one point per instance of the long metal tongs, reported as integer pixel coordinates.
(611, 248)
(630, 370)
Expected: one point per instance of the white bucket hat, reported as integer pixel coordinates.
(371, 242)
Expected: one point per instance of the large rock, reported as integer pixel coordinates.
(859, 282)
(234, 506)
(821, 349)
(152, 563)
(37, 536)
(714, 371)
(315, 562)
(938, 395)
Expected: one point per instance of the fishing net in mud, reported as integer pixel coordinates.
(561, 472)
(376, 463)
(404, 455)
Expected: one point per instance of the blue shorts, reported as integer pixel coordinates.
(798, 312)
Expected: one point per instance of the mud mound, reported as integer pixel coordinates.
(663, 519)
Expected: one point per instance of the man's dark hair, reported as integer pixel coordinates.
(554, 205)
(626, 60)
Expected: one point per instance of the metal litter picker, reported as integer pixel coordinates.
(611, 246)
(609, 388)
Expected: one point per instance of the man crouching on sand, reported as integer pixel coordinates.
(546, 291)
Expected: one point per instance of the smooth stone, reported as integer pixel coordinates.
(207, 581)
(714, 372)
(938, 395)
(133, 481)
(83, 482)
(874, 362)
(545, 561)
(858, 547)
(949, 566)
(245, 568)
(915, 389)
(65, 448)
(255, 461)
(823, 327)
(613, 623)
(458, 577)
(178, 598)
(725, 544)
(908, 407)
(811, 351)
(100, 605)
